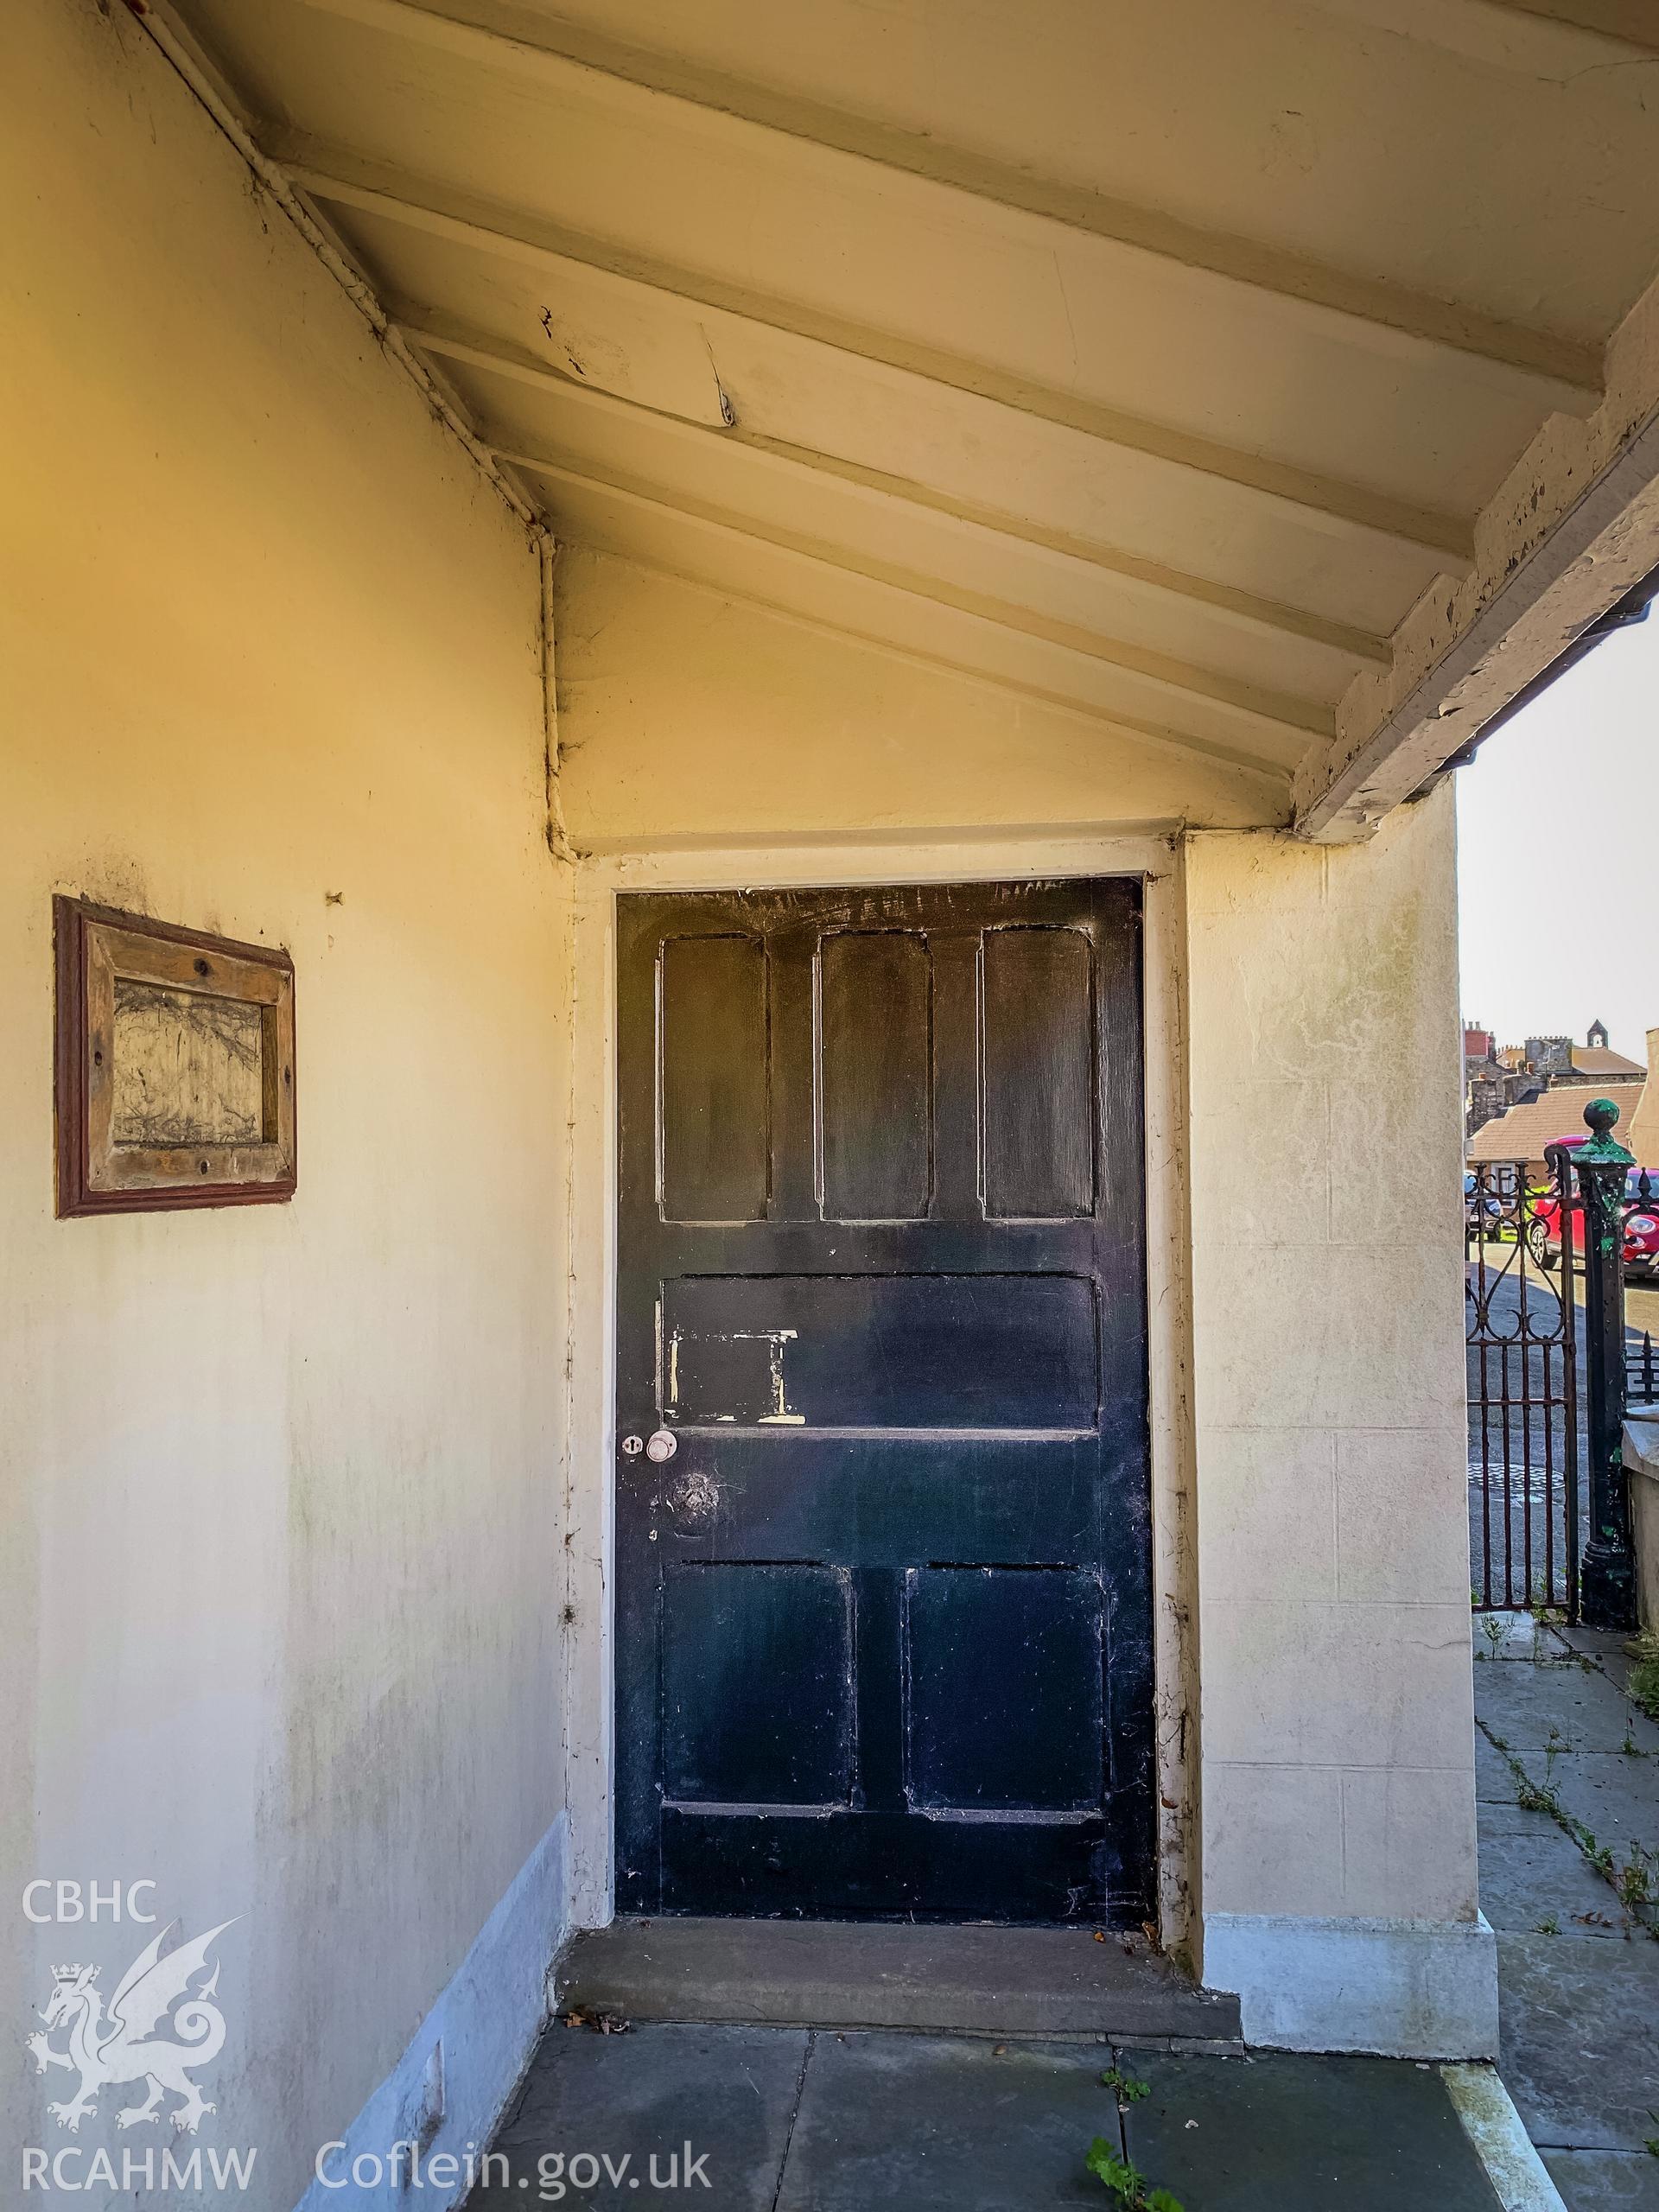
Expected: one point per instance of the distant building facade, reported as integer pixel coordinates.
(1496, 1077)
(1524, 1133)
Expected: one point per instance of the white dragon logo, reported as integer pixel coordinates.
(120, 2048)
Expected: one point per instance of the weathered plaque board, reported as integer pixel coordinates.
(175, 1066)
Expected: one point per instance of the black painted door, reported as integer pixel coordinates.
(883, 1618)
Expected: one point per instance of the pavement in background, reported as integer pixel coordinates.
(1577, 1971)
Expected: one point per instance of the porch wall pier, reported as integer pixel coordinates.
(1339, 1818)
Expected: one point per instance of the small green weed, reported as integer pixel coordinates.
(1636, 1880)
(1128, 2090)
(1540, 1797)
(1532, 1799)
(1644, 1676)
(1549, 1925)
(1126, 2187)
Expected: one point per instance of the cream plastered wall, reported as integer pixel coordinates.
(687, 716)
(1333, 1629)
(283, 1484)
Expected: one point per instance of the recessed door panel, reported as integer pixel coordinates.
(875, 1000)
(757, 1668)
(716, 1078)
(1037, 1030)
(1022, 1735)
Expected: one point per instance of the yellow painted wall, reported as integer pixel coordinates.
(1325, 1135)
(686, 714)
(281, 1483)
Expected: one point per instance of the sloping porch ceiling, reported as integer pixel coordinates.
(1263, 377)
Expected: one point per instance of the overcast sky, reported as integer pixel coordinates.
(1558, 856)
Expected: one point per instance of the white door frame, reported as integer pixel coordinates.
(589, 1544)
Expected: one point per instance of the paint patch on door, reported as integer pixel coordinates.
(734, 1376)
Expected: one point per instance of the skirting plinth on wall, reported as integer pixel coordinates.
(1405, 1988)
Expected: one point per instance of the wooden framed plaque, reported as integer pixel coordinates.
(174, 1075)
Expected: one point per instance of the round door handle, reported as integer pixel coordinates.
(662, 1444)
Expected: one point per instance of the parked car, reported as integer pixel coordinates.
(1483, 1207)
(1640, 1227)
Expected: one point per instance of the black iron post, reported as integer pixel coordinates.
(1607, 1579)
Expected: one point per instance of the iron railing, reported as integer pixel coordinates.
(1641, 1358)
(1551, 1368)
(1526, 1455)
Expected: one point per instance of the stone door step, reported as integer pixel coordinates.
(834, 1973)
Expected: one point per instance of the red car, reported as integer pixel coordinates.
(1641, 1226)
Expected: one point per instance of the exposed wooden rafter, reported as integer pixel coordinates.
(1231, 607)
(333, 174)
(1298, 436)
(568, 58)
(1633, 22)
(724, 557)
(1286, 723)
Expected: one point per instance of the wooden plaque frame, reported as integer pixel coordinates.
(94, 947)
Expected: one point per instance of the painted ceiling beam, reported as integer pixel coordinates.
(332, 175)
(1274, 731)
(1605, 544)
(1262, 616)
(1633, 22)
(565, 56)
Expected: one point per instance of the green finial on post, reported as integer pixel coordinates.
(1600, 1115)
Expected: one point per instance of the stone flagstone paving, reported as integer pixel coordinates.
(802, 2120)
(1578, 1972)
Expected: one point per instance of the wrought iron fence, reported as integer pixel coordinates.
(1526, 1458)
(1551, 1368)
(1641, 1359)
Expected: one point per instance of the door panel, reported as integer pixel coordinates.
(875, 1003)
(757, 1657)
(1003, 1688)
(884, 1641)
(712, 1128)
(881, 1351)
(1038, 1056)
